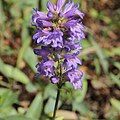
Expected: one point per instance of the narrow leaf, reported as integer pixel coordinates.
(115, 103)
(21, 53)
(79, 95)
(35, 108)
(30, 58)
(18, 117)
(14, 73)
(115, 78)
(100, 54)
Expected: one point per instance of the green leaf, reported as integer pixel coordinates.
(100, 54)
(43, 5)
(7, 99)
(50, 91)
(79, 95)
(8, 111)
(25, 35)
(115, 103)
(97, 66)
(22, 52)
(26, 6)
(25, 43)
(3, 90)
(32, 87)
(35, 108)
(114, 51)
(49, 108)
(115, 78)
(2, 15)
(117, 65)
(94, 13)
(14, 73)
(59, 118)
(21, 110)
(85, 43)
(83, 109)
(18, 117)
(30, 58)
(1, 119)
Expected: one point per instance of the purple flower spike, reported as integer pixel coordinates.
(75, 78)
(58, 37)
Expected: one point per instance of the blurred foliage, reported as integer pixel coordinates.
(23, 97)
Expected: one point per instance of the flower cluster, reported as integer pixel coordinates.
(58, 35)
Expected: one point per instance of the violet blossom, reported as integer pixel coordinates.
(58, 34)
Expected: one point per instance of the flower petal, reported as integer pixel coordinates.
(60, 4)
(50, 6)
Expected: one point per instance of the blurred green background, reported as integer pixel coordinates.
(23, 97)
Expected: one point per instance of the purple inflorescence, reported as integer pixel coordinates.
(58, 35)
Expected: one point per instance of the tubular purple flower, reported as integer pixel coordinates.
(43, 52)
(46, 68)
(42, 23)
(68, 7)
(58, 37)
(54, 79)
(37, 14)
(70, 23)
(77, 50)
(70, 13)
(75, 78)
(77, 31)
(49, 38)
(79, 13)
(71, 62)
(71, 45)
(40, 35)
(50, 14)
(55, 39)
(50, 7)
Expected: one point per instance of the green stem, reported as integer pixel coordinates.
(56, 104)
(58, 90)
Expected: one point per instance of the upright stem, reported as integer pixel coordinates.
(58, 90)
(56, 104)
